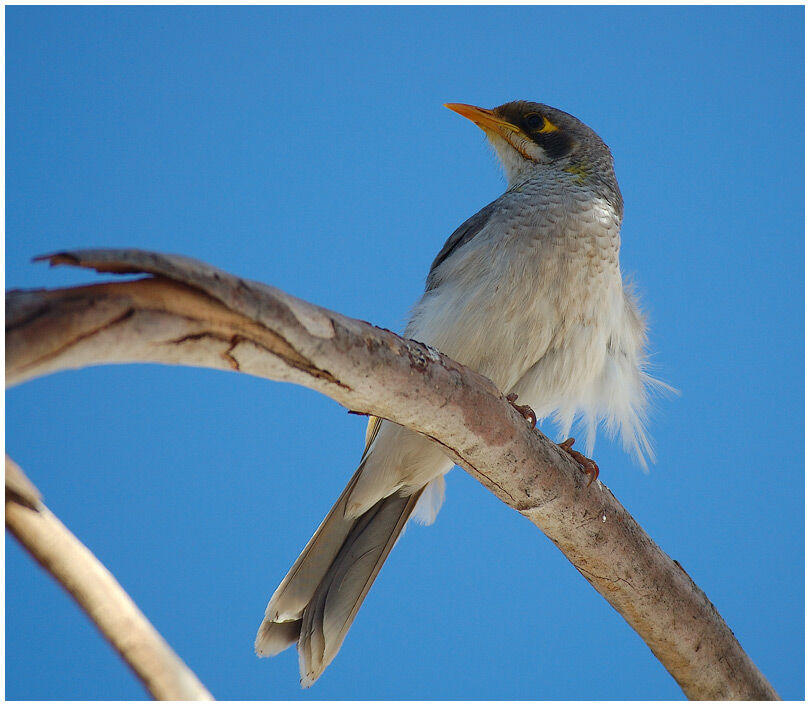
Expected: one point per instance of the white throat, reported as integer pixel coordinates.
(515, 166)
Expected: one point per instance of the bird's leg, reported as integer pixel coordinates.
(587, 465)
(523, 409)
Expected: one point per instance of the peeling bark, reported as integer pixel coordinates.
(190, 313)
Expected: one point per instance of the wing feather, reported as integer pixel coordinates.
(460, 237)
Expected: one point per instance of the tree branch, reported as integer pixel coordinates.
(193, 314)
(98, 594)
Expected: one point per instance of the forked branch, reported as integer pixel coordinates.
(189, 313)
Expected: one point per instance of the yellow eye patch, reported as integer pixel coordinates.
(548, 126)
(535, 123)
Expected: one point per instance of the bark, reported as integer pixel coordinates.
(190, 313)
(160, 670)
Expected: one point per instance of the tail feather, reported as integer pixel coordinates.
(357, 568)
(274, 638)
(320, 596)
(296, 590)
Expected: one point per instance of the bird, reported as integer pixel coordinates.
(529, 293)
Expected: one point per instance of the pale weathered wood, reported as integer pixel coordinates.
(193, 314)
(160, 670)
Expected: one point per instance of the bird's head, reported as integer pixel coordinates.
(530, 136)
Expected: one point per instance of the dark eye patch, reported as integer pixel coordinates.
(554, 139)
(534, 121)
(555, 144)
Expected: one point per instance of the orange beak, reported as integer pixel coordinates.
(485, 119)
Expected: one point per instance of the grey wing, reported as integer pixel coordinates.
(461, 236)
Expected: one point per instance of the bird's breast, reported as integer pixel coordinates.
(544, 267)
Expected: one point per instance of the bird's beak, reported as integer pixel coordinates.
(485, 119)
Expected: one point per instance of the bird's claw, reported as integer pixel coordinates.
(523, 409)
(587, 465)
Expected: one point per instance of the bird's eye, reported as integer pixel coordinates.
(534, 121)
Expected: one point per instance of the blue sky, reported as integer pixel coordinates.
(308, 148)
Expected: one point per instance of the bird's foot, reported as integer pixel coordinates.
(523, 409)
(587, 465)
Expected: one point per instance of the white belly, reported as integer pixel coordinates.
(546, 317)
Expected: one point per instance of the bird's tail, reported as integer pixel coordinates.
(317, 601)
